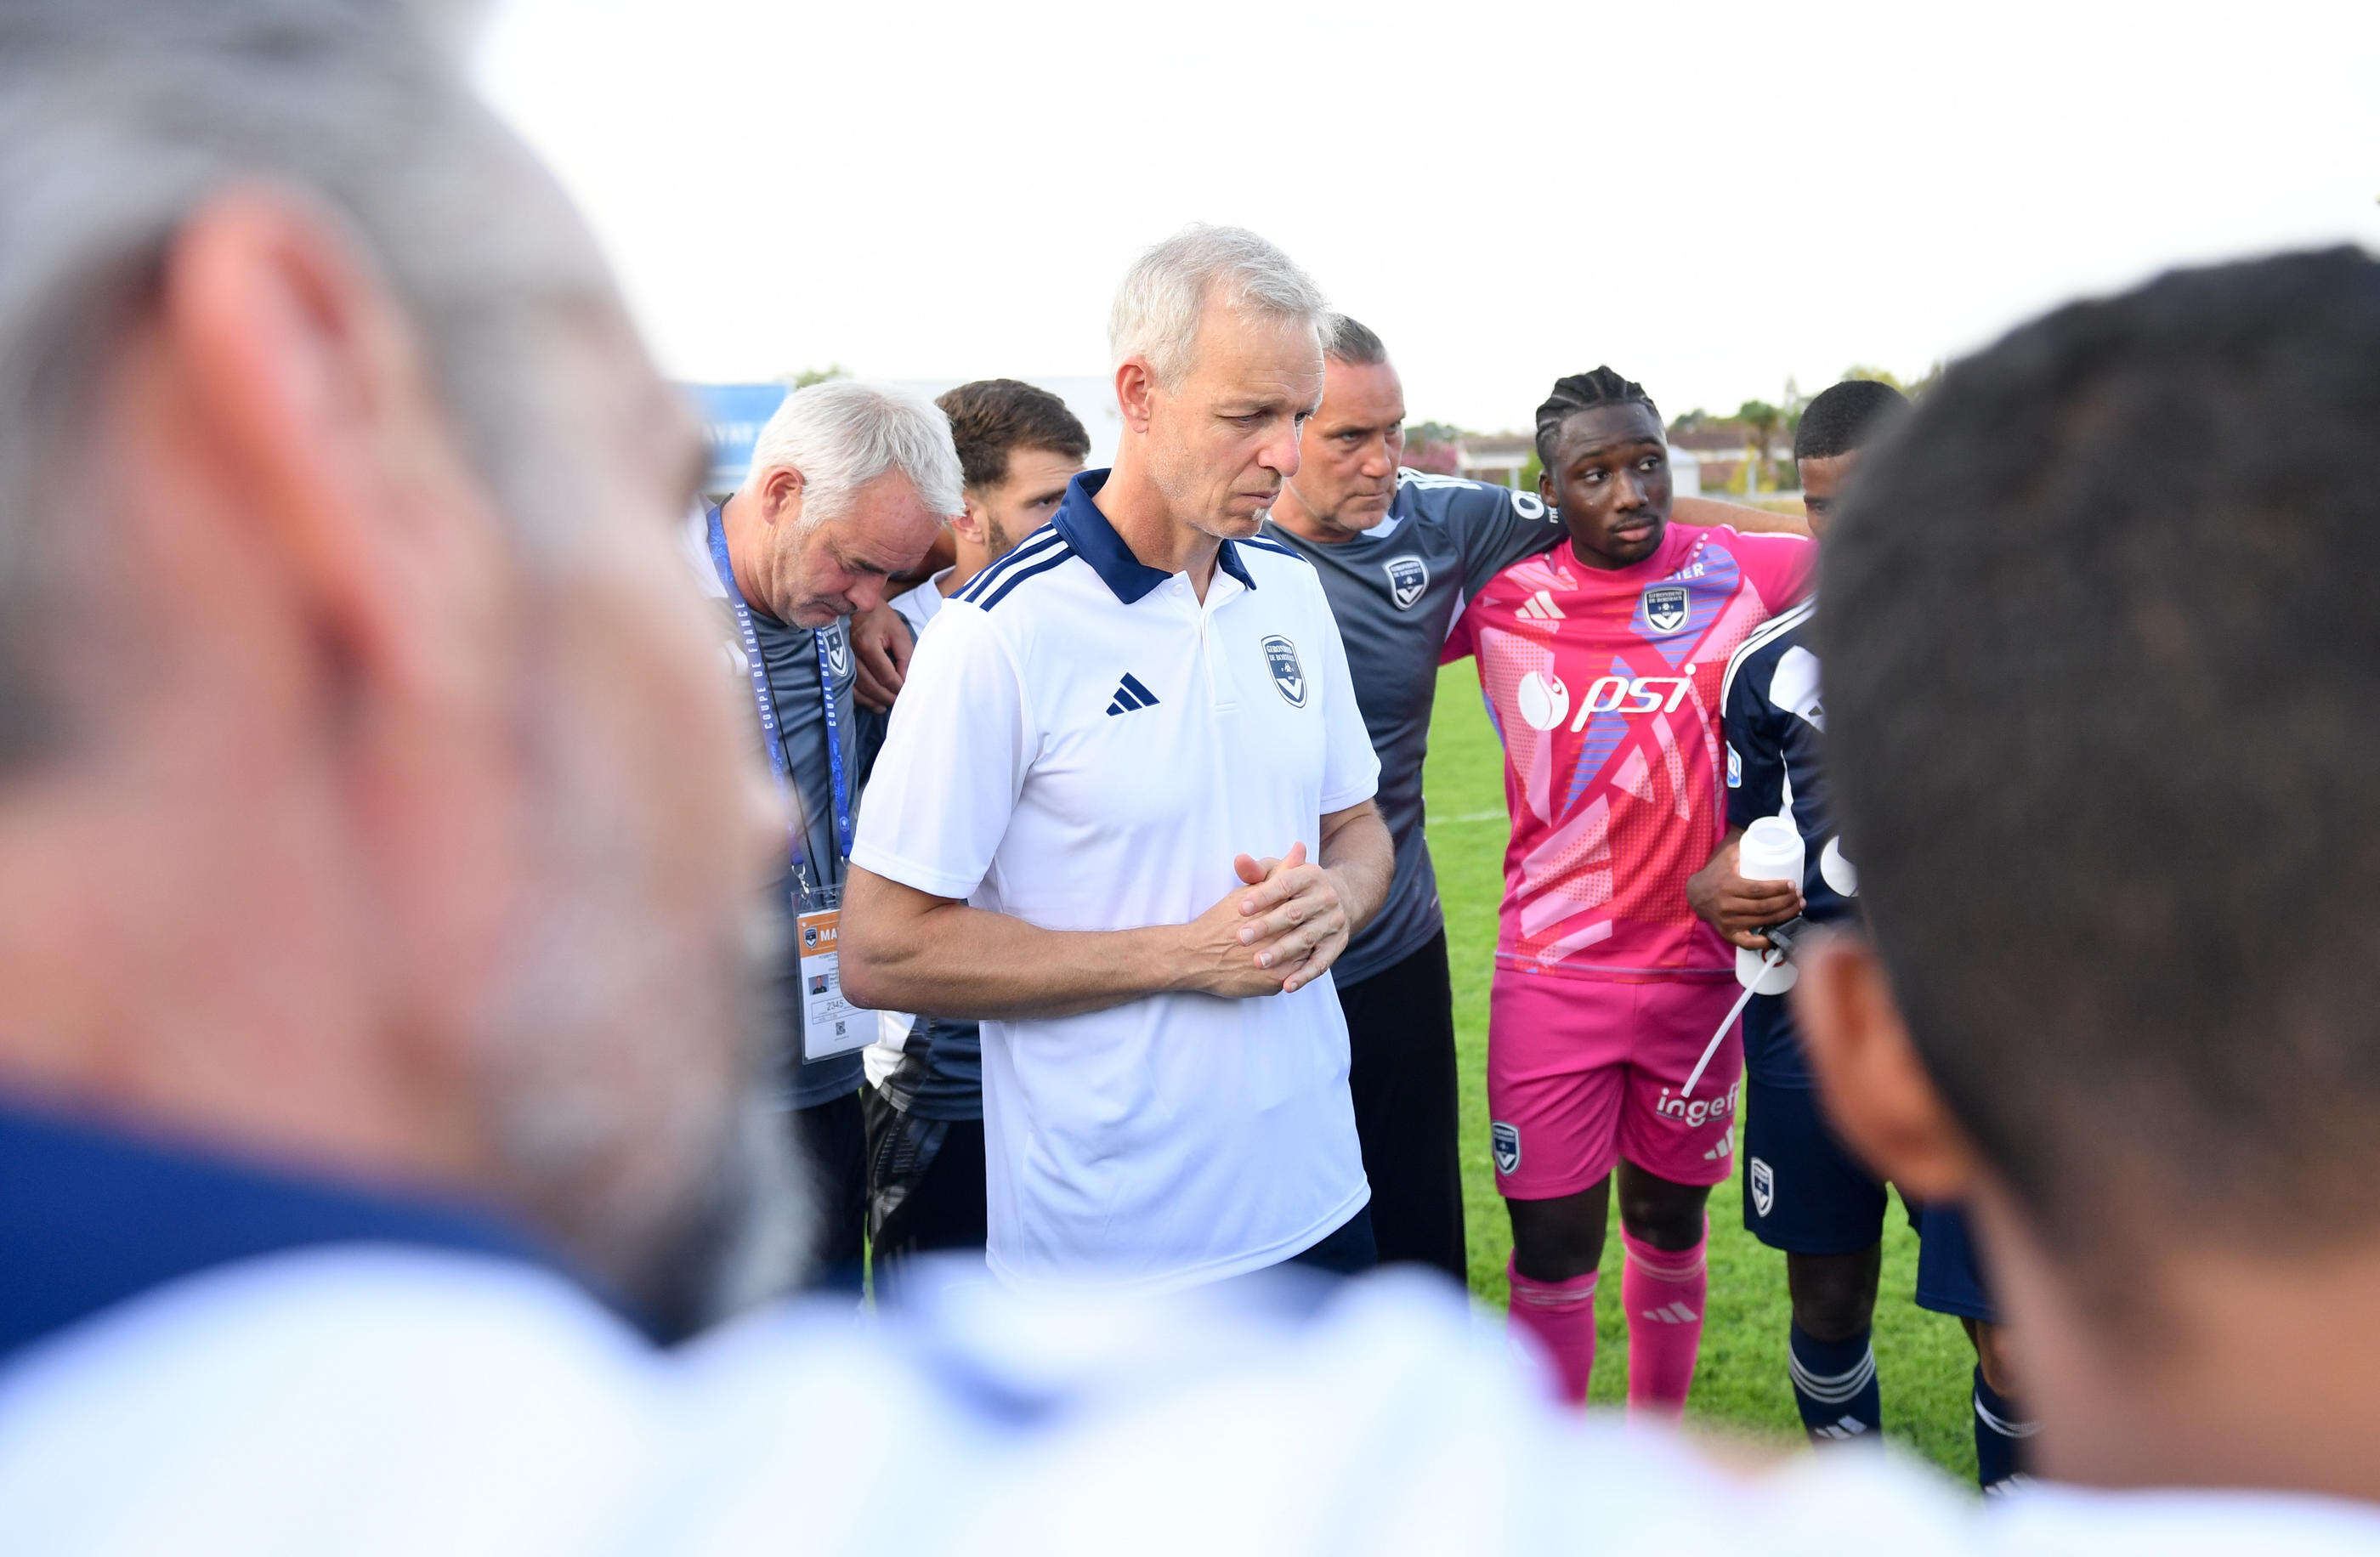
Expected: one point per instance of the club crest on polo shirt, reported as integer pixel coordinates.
(838, 649)
(1280, 657)
(1506, 1141)
(1408, 578)
(1665, 608)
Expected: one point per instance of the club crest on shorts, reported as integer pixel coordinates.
(838, 650)
(1665, 608)
(1764, 1187)
(1408, 576)
(1280, 657)
(1506, 1141)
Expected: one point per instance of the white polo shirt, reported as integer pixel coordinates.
(1082, 744)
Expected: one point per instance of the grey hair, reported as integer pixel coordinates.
(1351, 343)
(120, 118)
(845, 433)
(1158, 307)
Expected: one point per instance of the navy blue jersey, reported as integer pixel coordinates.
(1776, 765)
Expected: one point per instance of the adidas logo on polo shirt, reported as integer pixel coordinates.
(1131, 695)
(1028, 773)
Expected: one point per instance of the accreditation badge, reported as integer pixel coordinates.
(830, 1025)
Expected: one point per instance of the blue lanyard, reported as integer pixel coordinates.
(772, 736)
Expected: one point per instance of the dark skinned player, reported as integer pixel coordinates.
(1805, 1193)
(1601, 662)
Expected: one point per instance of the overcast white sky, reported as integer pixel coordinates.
(1708, 198)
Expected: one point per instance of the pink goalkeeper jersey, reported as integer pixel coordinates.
(1604, 688)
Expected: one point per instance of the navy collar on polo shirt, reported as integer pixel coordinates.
(1095, 541)
(90, 1216)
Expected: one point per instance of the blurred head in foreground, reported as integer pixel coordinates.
(368, 789)
(2102, 660)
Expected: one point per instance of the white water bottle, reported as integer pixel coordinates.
(1771, 851)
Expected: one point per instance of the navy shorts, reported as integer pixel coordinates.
(1803, 1192)
(1949, 1276)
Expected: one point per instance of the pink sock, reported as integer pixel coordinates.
(1561, 1316)
(1663, 1293)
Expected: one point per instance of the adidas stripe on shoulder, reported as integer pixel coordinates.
(1038, 545)
(1042, 562)
(1765, 634)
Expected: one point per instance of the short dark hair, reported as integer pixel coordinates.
(1349, 342)
(1582, 392)
(1845, 416)
(2103, 663)
(991, 419)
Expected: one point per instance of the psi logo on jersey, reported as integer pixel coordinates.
(1408, 576)
(1506, 1140)
(1665, 608)
(1281, 656)
(1764, 1187)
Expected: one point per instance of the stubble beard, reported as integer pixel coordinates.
(672, 1180)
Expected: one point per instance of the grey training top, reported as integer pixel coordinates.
(1396, 589)
(791, 655)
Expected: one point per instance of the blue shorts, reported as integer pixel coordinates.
(1803, 1192)
(1949, 1276)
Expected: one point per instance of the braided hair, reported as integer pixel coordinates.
(1582, 392)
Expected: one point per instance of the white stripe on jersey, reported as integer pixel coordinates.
(1765, 635)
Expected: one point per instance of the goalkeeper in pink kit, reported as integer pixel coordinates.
(1601, 662)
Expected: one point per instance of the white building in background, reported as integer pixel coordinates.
(1685, 473)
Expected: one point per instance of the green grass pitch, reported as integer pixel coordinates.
(1923, 1359)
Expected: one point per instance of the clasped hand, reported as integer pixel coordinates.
(1277, 933)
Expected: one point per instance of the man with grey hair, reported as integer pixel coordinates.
(1125, 818)
(356, 720)
(849, 484)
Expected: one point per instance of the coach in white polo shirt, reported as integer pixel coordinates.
(1125, 817)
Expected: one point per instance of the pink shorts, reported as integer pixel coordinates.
(1583, 1072)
